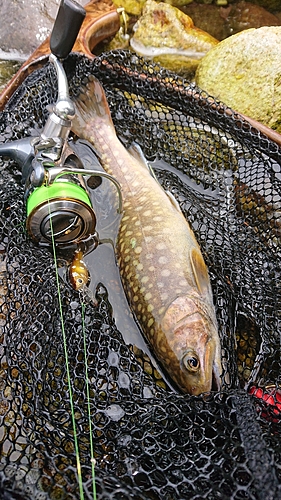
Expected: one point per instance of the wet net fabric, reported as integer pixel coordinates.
(150, 442)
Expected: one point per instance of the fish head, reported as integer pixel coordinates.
(192, 335)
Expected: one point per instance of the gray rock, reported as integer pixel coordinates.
(25, 24)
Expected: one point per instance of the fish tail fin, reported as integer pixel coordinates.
(90, 104)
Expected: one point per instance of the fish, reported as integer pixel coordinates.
(78, 271)
(161, 266)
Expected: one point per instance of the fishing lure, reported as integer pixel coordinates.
(78, 272)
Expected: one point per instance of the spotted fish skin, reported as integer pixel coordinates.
(161, 266)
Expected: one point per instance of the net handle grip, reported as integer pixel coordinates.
(68, 22)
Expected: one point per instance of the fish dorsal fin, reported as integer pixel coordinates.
(200, 272)
(136, 151)
(173, 201)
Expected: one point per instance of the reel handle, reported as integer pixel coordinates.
(66, 28)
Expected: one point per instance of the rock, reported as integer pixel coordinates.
(244, 72)
(245, 15)
(268, 4)
(25, 24)
(221, 22)
(133, 7)
(166, 35)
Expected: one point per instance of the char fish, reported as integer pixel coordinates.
(161, 266)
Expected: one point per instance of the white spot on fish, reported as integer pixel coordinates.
(138, 250)
(161, 246)
(148, 296)
(145, 279)
(147, 213)
(165, 272)
(163, 259)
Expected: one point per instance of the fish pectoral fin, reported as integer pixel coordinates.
(200, 271)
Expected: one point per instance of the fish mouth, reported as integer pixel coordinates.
(216, 380)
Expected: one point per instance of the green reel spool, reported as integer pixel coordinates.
(63, 210)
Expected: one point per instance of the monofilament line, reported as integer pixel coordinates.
(88, 399)
(76, 447)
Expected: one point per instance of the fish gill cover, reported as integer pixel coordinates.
(150, 442)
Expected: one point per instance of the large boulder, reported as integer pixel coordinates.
(166, 35)
(244, 71)
(25, 24)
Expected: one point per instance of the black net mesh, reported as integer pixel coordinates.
(150, 442)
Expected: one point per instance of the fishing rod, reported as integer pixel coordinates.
(53, 173)
(59, 211)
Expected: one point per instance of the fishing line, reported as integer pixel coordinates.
(76, 447)
(83, 307)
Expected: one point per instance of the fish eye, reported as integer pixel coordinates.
(191, 362)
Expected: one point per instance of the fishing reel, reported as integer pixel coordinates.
(57, 198)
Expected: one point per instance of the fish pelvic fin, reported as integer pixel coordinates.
(90, 105)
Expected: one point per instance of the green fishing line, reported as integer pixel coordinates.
(88, 399)
(76, 447)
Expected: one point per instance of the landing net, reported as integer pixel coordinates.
(150, 442)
